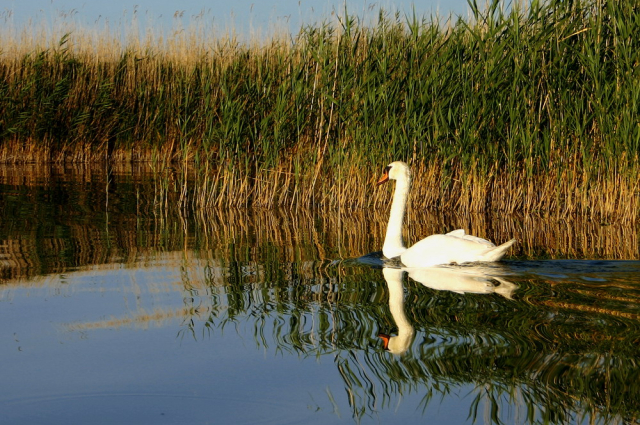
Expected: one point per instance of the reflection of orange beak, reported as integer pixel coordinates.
(384, 178)
(385, 338)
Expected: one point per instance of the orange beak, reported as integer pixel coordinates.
(384, 178)
(385, 338)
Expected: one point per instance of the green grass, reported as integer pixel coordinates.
(493, 108)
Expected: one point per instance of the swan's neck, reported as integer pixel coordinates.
(393, 244)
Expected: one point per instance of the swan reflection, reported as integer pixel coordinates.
(400, 343)
(476, 279)
(469, 279)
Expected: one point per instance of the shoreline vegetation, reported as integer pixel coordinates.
(531, 110)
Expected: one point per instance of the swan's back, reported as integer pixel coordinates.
(460, 233)
(454, 247)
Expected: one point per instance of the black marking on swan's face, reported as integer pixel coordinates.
(385, 176)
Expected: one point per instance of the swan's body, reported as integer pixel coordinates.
(454, 247)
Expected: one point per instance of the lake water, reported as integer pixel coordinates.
(118, 306)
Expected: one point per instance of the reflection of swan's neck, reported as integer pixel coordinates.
(393, 244)
(400, 343)
(396, 307)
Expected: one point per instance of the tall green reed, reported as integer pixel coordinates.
(503, 98)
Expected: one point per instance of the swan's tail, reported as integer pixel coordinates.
(496, 253)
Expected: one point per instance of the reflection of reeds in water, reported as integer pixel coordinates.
(260, 271)
(512, 355)
(159, 317)
(355, 233)
(231, 235)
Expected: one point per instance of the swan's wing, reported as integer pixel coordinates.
(460, 233)
(476, 240)
(443, 249)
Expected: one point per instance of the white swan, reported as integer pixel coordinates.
(454, 247)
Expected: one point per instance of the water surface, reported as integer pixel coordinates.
(118, 308)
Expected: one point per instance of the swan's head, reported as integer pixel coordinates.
(397, 170)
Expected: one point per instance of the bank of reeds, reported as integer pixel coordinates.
(531, 110)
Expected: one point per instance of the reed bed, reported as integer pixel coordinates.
(533, 110)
